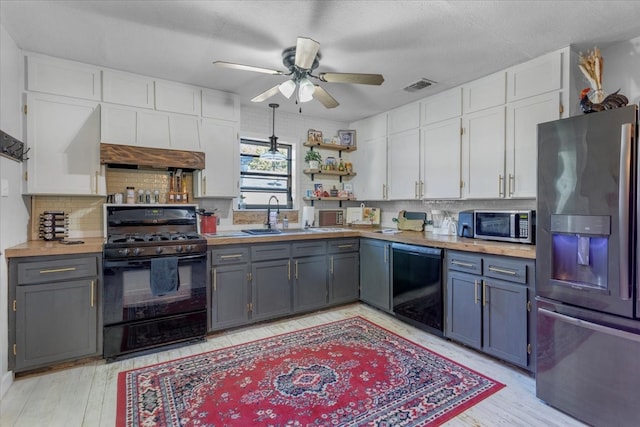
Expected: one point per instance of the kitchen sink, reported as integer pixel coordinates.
(262, 231)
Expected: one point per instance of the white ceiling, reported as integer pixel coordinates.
(449, 42)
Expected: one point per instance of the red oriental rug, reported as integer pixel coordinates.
(346, 373)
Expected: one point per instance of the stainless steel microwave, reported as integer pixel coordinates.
(518, 226)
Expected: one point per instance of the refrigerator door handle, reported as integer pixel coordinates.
(623, 209)
(589, 325)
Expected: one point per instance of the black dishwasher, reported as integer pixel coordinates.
(417, 286)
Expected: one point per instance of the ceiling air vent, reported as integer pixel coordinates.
(419, 85)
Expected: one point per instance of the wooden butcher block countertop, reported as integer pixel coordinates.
(94, 244)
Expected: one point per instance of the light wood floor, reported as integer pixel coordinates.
(86, 395)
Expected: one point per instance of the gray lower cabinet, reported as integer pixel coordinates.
(270, 289)
(344, 270)
(375, 273)
(230, 275)
(265, 281)
(55, 309)
(310, 275)
(489, 304)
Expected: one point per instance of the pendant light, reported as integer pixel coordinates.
(273, 154)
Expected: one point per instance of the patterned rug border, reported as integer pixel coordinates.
(121, 383)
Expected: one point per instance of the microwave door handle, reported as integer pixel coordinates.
(623, 209)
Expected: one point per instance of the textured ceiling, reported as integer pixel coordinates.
(449, 42)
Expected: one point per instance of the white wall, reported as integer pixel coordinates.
(622, 69)
(13, 211)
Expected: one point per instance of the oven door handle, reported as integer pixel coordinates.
(142, 262)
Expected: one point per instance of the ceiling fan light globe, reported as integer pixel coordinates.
(305, 91)
(287, 88)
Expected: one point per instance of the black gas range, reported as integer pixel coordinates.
(155, 278)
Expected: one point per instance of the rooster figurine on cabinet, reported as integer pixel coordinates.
(615, 100)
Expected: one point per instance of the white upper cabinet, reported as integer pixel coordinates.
(403, 165)
(177, 98)
(403, 118)
(483, 151)
(484, 93)
(63, 136)
(443, 106)
(62, 77)
(221, 175)
(220, 105)
(441, 160)
(523, 118)
(370, 158)
(541, 75)
(127, 89)
(371, 162)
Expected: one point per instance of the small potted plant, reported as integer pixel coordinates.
(313, 158)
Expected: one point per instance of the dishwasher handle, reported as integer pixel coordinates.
(417, 250)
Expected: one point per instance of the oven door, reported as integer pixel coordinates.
(128, 295)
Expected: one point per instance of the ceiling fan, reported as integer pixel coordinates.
(300, 61)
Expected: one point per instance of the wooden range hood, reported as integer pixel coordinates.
(155, 158)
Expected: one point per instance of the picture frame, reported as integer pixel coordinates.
(318, 190)
(314, 136)
(347, 137)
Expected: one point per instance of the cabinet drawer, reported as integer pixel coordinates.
(343, 245)
(265, 252)
(59, 269)
(313, 247)
(504, 269)
(464, 262)
(229, 256)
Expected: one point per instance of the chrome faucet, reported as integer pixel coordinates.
(269, 210)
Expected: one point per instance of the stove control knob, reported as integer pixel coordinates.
(189, 248)
(136, 251)
(123, 252)
(179, 249)
(158, 250)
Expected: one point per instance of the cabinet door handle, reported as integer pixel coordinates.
(96, 186)
(58, 270)
(462, 264)
(345, 246)
(92, 292)
(421, 193)
(214, 274)
(204, 185)
(296, 269)
(415, 190)
(484, 293)
(475, 291)
(289, 269)
(500, 192)
(384, 191)
(331, 267)
(231, 256)
(502, 271)
(385, 255)
(512, 179)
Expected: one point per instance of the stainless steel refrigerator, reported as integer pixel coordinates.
(587, 291)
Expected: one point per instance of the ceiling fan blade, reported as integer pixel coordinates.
(266, 94)
(363, 79)
(306, 51)
(247, 68)
(323, 96)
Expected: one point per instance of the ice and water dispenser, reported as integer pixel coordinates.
(580, 250)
